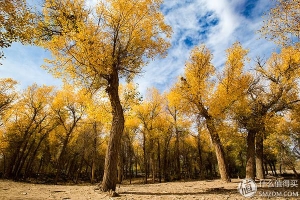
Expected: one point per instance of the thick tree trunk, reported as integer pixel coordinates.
(250, 163)
(259, 156)
(113, 148)
(222, 164)
(120, 167)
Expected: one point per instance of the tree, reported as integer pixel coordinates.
(295, 124)
(175, 109)
(97, 122)
(282, 24)
(195, 88)
(97, 47)
(16, 23)
(148, 113)
(28, 123)
(232, 89)
(68, 108)
(274, 90)
(279, 144)
(130, 98)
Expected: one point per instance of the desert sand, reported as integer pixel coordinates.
(209, 189)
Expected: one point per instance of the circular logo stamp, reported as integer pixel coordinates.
(247, 187)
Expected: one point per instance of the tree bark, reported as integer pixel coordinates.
(111, 159)
(120, 167)
(222, 164)
(250, 163)
(259, 155)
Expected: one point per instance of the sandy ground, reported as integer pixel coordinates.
(173, 190)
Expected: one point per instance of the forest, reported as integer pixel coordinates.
(240, 121)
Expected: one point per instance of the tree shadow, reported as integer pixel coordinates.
(207, 191)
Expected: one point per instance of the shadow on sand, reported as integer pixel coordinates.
(207, 191)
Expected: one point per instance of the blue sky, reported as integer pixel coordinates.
(215, 23)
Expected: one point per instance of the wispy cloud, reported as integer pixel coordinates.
(216, 23)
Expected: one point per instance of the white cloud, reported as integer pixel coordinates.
(184, 18)
(216, 23)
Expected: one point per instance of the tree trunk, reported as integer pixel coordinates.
(222, 164)
(159, 161)
(271, 168)
(23, 160)
(274, 167)
(266, 168)
(152, 160)
(295, 172)
(60, 160)
(94, 152)
(4, 163)
(145, 157)
(130, 162)
(165, 170)
(259, 156)
(120, 167)
(136, 163)
(20, 158)
(78, 171)
(33, 156)
(177, 152)
(250, 163)
(113, 148)
(200, 155)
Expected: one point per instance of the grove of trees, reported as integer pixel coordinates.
(240, 121)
